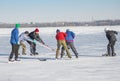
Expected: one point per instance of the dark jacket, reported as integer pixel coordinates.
(110, 34)
(70, 36)
(35, 36)
(14, 36)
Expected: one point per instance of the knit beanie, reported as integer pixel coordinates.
(67, 30)
(57, 30)
(17, 25)
(106, 29)
(36, 30)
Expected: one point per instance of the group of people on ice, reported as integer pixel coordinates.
(17, 40)
(65, 41)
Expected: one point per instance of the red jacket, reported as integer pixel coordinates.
(61, 36)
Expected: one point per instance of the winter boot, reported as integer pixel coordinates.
(10, 60)
(114, 54)
(36, 53)
(16, 59)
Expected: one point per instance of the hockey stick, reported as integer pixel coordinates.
(46, 46)
(43, 45)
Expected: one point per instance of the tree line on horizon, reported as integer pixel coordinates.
(63, 24)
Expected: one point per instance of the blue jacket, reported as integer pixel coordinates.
(70, 36)
(14, 36)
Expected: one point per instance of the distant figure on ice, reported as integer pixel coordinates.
(22, 38)
(14, 40)
(111, 36)
(60, 37)
(34, 36)
(70, 43)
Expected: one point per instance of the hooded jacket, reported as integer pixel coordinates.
(23, 37)
(70, 36)
(14, 36)
(61, 36)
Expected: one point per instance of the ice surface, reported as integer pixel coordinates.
(90, 43)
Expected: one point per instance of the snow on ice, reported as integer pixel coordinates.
(90, 66)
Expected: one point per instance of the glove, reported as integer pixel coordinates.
(34, 41)
(18, 43)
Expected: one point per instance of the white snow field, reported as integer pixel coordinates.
(90, 43)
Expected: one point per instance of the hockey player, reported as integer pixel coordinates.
(111, 36)
(34, 36)
(70, 43)
(14, 40)
(22, 38)
(60, 37)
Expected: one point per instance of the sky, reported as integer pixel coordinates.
(18, 11)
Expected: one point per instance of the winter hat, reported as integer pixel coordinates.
(26, 32)
(67, 30)
(106, 29)
(36, 30)
(57, 30)
(17, 25)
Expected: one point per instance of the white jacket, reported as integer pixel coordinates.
(23, 37)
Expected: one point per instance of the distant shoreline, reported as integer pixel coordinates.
(65, 24)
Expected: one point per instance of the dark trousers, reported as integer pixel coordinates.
(110, 48)
(32, 47)
(15, 48)
(70, 45)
